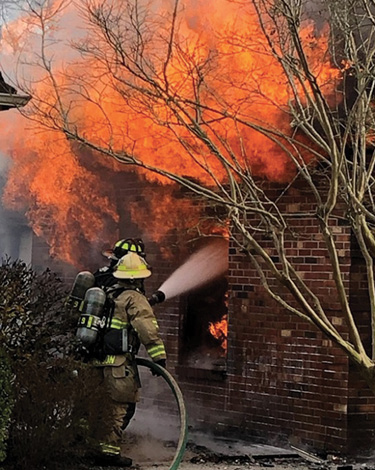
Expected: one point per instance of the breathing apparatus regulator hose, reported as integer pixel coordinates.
(167, 376)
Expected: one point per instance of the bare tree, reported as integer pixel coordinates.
(143, 75)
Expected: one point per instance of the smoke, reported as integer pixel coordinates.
(203, 266)
(4, 164)
(153, 433)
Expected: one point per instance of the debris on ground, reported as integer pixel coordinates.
(227, 454)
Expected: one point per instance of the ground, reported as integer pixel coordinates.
(151, 444)
(200, 458)
(217, 454)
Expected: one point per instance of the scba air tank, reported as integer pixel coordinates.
(83, 281)
(90, 320)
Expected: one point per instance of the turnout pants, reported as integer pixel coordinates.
(122, 386)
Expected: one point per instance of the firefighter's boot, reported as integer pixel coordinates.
(113, 460)
(110, 456)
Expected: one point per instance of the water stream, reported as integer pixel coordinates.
(200, 268)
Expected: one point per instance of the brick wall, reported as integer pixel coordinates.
(296, 379)
(284, 381)
(361, 402)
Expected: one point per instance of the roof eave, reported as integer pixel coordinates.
(8, 101)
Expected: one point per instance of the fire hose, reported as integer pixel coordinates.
(167, 376)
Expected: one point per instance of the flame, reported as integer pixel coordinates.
(65, 189)
(219, 330)
(66, 204)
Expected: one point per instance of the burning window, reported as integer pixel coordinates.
(205, 325)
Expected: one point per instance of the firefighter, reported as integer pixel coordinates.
(132, 323)
(103, 276)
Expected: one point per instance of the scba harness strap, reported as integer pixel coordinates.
(99, 332)
(116, 336)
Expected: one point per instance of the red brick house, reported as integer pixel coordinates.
(278, 380)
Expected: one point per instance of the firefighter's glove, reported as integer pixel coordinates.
(162, 363)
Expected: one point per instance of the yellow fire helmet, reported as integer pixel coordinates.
(131, 266)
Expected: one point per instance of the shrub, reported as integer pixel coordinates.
(55, 415)
(6, 402)
(32, 314)
(54, 411)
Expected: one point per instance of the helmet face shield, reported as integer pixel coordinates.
(131, 266)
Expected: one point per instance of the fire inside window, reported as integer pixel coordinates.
(204, 341)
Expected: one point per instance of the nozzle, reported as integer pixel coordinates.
(157, 298)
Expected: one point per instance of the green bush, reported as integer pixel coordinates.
(55, 410)
(6, 402)
(32, 314)
(55, 415)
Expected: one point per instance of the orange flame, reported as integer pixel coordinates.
(219, 330)
(65, 188)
